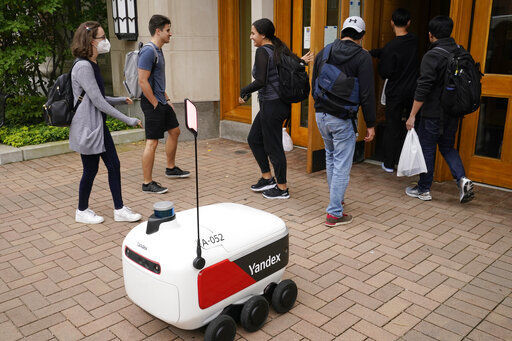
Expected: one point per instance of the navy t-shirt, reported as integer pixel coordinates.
(101, 83)
(157, 77)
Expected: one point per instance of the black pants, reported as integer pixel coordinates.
(266, 137)
(397, 111)
(91, 163)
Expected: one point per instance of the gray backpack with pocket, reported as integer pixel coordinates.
(131, 71)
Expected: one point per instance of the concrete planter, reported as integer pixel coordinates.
(10, 154)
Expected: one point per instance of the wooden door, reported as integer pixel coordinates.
(486, 135)
(301, 19)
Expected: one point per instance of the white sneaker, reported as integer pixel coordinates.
(415, 193)
(88, 217)
(466, 190)
(126, 214)
(387, 170)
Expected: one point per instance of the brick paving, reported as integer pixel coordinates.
(404, 269)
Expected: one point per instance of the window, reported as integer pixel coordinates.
(491, 126)
(499, 46)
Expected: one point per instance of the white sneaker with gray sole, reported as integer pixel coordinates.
(414, 192)
(88, 216)
(466, 190)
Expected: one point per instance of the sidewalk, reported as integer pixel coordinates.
(404, 269)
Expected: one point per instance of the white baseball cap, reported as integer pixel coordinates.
(355, 22)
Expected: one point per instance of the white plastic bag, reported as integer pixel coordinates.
(287, 141)
(411, 161)
(383, 95)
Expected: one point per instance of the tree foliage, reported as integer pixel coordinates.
(35, 36)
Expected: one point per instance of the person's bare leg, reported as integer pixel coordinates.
(148, 159)
(171, 145)
(266, 175)
(282, 187)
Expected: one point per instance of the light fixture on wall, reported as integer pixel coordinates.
(124, 13)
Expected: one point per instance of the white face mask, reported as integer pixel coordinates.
(103, 46)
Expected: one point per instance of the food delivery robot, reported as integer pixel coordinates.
(226, 270)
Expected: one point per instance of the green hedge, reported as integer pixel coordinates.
(25, 135)
(24, 110)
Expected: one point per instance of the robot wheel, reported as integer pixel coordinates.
(222, 328)
(254, 313)
(284, 296)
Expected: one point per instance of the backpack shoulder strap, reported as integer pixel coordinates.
(327, 53)
(325, 56)
(449, 55)
(267, 48)
(81, 97)
(154, 50)
(155, 61)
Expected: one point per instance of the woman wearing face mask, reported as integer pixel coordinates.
(88, 133)
(265, 136)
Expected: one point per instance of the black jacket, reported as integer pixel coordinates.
(431, 81)
(398, 63)
(350, 58)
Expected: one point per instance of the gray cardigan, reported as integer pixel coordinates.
(86, 130)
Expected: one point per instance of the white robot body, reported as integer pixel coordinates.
(245, 251)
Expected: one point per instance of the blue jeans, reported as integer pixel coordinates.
(430, 137)
(340, 141)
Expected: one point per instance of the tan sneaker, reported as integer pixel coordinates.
(332, 221)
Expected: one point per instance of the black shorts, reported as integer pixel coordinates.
(157, 120)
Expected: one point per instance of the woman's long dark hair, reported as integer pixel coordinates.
(265, 27)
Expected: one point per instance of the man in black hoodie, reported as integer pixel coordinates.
(338, 126)
(436, 128)
(398, 64)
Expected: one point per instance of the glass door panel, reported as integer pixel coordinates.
(499, 46)
(491, 126)
(486, 136)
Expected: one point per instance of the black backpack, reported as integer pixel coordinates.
(59, 110)
(293, 78)
(461, 88)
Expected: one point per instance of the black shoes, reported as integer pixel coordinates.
(276, 193)
(176, 172)
(264, 184)
(153, 187)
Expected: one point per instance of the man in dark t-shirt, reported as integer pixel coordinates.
(159, 113)
(398, 64)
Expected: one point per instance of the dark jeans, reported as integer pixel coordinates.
(394, 134)
(430, 137)
(266, 137)
(91, 163)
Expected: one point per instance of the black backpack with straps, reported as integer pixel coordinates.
(59, 110)
(461, 88)
(293, 78)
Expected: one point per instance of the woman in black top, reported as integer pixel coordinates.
(265, 136)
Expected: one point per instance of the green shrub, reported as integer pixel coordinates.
(115, 125)
(24, 110)
(19, 136)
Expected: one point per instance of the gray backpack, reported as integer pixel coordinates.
(131, 71)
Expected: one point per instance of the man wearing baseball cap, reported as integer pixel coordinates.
(336, 113)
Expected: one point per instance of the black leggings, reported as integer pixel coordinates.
(91, 163)
(266, 137)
